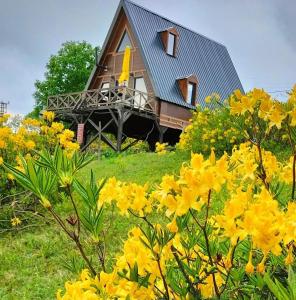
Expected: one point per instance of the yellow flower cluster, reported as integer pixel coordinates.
(48, 116)
(31, 135)
(161, 148)
(190, 190)
(15, 221)
(258, 102)
(127, 196)
(83, 289)
(209, 128)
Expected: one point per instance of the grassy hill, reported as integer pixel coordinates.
(30, 260)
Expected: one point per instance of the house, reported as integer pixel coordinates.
(172, 69)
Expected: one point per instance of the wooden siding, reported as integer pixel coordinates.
(113, 60)
(174, 116)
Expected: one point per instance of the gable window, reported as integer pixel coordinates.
(191, 92)
(170, 39)
(125, 41)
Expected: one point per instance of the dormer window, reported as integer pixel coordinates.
(169, 39)
(191, 92)
(188, 88)
(125, 41)
(171, 44)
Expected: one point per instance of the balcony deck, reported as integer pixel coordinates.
(102, 99)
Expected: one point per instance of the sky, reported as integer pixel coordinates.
(260, 36)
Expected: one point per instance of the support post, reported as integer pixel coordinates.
(162, 131)
(119, 130)
(100, 140)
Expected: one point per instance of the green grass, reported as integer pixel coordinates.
(31, 261)
(139, 168)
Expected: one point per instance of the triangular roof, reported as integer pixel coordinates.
(197, 54)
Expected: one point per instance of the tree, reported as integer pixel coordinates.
(66, 72)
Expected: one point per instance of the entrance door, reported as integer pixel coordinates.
(140, 98)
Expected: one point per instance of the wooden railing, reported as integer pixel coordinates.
(102, 98)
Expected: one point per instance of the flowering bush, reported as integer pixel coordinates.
(211, 128)
(224, 228)
(32, 135)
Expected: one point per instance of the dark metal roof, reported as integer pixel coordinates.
(196, 54)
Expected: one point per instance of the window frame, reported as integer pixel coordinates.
(183, 83)
(174, 44)
(192, 99)
(165, 36)
(105, 82)
(125, 31)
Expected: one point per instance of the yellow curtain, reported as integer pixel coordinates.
(124, 76)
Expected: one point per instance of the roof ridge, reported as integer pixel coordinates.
(178, 24)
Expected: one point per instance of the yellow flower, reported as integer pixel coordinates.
(15, 221)
(289, 259)
(1, 160)
(249, 266)
(276, 117)
(293, 117)
(172, 227)
(10, 177)
(45, 202)
(48, 116)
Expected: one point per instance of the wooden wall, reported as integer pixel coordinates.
(168, 113)
(113, 60)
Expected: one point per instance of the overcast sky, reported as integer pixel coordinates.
(260, 36)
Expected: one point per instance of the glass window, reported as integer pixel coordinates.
(140, 99)
(171, 44)
(105, 85)
(125, 41)
(191, 93)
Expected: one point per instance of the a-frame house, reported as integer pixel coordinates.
(172, 69)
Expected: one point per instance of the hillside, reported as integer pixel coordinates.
(32, 259)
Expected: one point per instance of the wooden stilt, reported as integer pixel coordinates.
(120, 122)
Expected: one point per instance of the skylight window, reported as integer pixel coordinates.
(125, 41)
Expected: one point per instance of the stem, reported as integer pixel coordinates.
(143, 218)
(193, 290)
(80, 248)
(60, 222)
(74, 238)
(261, 165)
(204, 230)
(167, 296)
(75, 208)
(228, 273)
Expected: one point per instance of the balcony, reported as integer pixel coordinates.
(100, 99)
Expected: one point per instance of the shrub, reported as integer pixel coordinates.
(224, 228)
(23, 141)
(211, 129)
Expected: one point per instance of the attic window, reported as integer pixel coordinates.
(191, 92)
(171, 44)
(170, 38)
(125, 41)
(188, 88)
